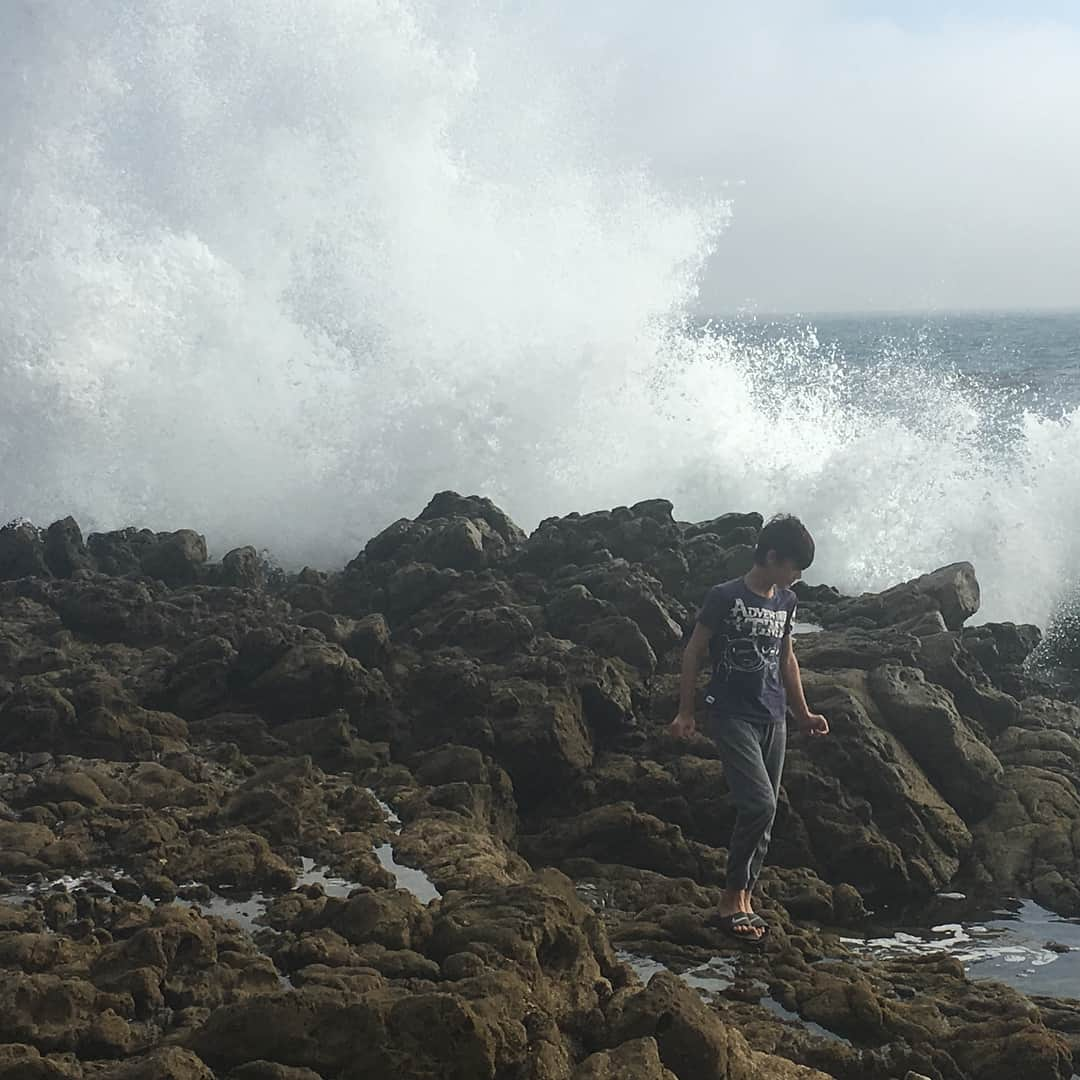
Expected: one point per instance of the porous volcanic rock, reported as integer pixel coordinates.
(220, 783)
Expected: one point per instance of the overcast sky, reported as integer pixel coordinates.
(903, 155)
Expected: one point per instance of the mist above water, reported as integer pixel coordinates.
(280, 271)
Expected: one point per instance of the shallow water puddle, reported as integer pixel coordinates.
(407, 877)
(812, 1026)
(388, 811)
(1010, 944)
(711, 977)
(245, 908)
(318, 875)
(715, 976)
(66, 883)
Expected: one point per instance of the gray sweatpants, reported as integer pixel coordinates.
(752, 754)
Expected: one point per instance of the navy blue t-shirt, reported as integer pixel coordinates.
(747, 635)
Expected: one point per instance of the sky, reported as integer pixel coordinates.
(923, 156)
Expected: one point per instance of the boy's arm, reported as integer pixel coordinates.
(810, 722)
(696, 648)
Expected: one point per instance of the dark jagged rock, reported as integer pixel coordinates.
(194, 736)
(947, 662)
(65, 552)
(925, 719)
(883, 827)
(452, 533)
(22, 552)
(1002, 650)
(952, 590)
(366, 639)
(642, 533)
(728, 528)
(864, 649)
(242, 569)
(175, 558)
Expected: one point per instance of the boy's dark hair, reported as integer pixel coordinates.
(789, 538)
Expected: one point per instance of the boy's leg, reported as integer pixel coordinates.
(773, 750)
(740, 744)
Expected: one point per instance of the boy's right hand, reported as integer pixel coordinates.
(682, 726)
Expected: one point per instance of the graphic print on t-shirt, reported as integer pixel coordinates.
(755, 641)
(746, 638)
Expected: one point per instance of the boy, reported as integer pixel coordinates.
(745, 626)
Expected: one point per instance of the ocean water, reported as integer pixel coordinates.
(1013, 941)
(279, 271)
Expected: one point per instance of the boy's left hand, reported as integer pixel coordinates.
(814, 724)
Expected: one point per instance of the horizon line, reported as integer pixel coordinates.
(888, 312)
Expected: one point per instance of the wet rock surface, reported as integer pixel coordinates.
(422, 817)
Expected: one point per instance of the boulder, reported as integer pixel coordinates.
(855, 648)
(175, 558)
(644, 533)
(242, 568)
(620, 637)
(109, 610)
(1039, 713)
(354, 1036)
(65, 552)
(165, 1063)
(22, 844)
(308, 678)
(456, 544)
(637, 595)
(449, 504)
(22, 552)
(1002, 649)
(728, 528)
(199, 683)
(638, 1059)
(574, 607)
(459, 853)
(120, 552)
(1007, 1047)
(1029, 841)
(541, 932)
(236, 858)
(21, 1062)
(452, 533)
(67, 784)
(952, 590)
(540, 738)
(47, 1011)
(873, 817)
(271, 1070)
(409, 590)
(1051, 749)
(492, 633)
(711, 561)
(691, 1038)
(924, 718)
(945, 661)
(622, 834)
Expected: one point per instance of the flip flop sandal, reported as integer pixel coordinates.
(729, 924)
(757, 921)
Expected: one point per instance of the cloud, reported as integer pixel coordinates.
(932, 163)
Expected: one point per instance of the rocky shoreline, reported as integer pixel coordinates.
(183, 744)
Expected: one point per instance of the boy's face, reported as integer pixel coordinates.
(784, 572)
